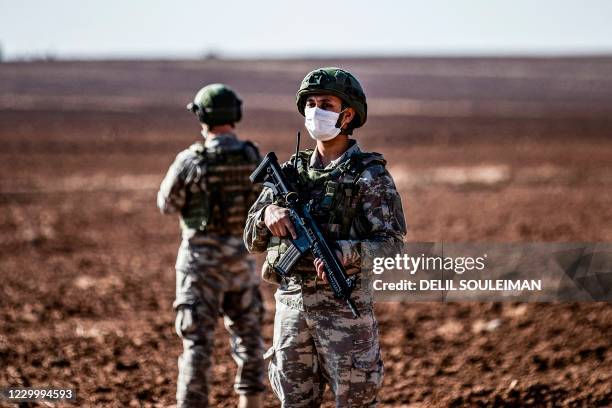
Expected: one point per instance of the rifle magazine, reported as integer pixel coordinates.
(287, 260)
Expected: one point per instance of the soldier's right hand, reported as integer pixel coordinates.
(278, 221)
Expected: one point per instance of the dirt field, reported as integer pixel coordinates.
(481, 149)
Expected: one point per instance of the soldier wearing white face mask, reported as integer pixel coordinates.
(317, 341)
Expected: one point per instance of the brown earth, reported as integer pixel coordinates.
(481, 149)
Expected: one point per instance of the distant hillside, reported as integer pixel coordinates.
(439, 87)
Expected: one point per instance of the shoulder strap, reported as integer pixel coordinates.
(359, 162)
(356, 164)
(353, 168)
(246, 144)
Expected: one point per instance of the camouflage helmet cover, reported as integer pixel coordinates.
(338, 82)
(216, 104)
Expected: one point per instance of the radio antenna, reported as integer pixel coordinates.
(297, 150)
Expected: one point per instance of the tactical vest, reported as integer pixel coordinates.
(335, 193)
(336, 200)
(219, 200)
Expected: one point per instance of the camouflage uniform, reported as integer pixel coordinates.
(316, 339)
(214, 273)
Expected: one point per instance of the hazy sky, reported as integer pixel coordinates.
(190, 28)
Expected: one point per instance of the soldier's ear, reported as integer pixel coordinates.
(347, 116)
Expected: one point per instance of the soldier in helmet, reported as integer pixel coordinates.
(208, 185)
(317, 341)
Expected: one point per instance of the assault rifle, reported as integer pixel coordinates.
(309, 236)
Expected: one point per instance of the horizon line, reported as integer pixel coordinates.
(219, 56)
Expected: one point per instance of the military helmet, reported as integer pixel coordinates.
(216, 104)
(338, 82)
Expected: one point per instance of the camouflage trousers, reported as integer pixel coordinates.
(317, 341)
(210, 285)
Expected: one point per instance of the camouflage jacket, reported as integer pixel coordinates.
(186, 189)
(379, 207)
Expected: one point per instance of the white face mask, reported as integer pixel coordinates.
(321, 124)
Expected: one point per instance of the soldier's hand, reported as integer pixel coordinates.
(278, 221)
(320, 267)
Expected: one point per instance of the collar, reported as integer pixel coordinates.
(315, 160)
(219, 139)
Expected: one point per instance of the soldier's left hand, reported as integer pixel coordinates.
(320, 268)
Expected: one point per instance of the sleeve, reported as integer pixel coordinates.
(173, 189)
(256, 234)
(382, 208)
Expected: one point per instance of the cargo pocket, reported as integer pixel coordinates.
(274, 251)
(185, 323)
(366, 373)
(268, 273)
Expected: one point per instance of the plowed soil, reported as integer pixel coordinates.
(503, 150)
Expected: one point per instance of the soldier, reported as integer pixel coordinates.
(208, 184)
(316, 339)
